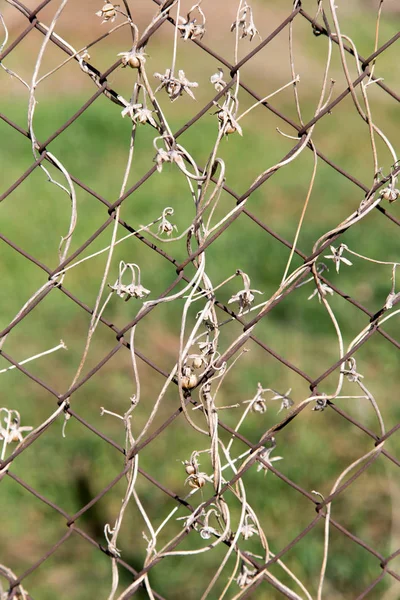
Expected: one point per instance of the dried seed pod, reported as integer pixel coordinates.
(390, 194)
(108, 12)
(197, 362)
(228, 122)
(133, 61)
(189, 381)
(259, 406)
(189, 468)
(197, 481)
(229, 129)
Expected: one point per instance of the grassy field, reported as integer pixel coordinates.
(315, 448)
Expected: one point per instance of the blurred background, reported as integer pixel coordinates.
(317, 446)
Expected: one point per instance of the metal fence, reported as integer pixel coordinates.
(211, 523)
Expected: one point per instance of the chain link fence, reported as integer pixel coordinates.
(148, 405)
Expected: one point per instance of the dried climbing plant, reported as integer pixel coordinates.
(218, 507)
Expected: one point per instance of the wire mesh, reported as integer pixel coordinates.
(147, 381)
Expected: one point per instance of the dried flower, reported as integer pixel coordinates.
(248, 529)
(258, 403)
(165, 226)
(323, 289)
(132, 290)
(108, 12)
(139, 114)
(337, 257)
(246, 296)
(248, 28)
(190, 29)
(195, 479)
(172, 154)
(12, 432)
(245, 576)
(134, 58)
(265, 455)
(217, 80)
(286, 401)
(320, 403)
(144, 115)
(130, 109)
(175, 86)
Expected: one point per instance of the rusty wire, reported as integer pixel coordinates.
(371, 196)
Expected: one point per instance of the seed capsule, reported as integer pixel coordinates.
(133, 62)
(197, 482)
(390, 194)
(189, 381)
(197, 362)
(189, 468)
